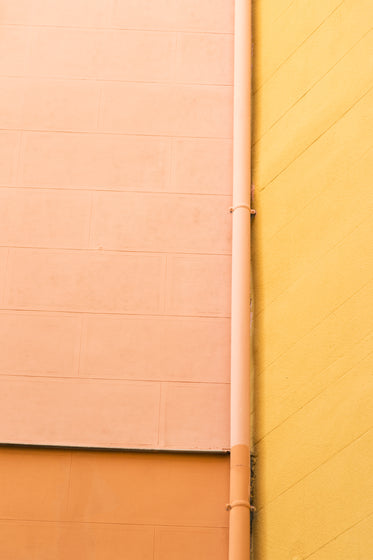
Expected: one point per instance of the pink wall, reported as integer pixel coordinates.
(115, 182)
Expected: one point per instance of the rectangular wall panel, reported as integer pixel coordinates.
(79, 504)
(115, 231)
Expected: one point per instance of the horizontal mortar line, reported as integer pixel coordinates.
(339, 242)
(132, 381)
(315, 326)
(108, 313)
(318, 196)
(95, 80)
(111, 133)
(339, 534)
(79, 522)
(299, 46)
(328, 386)
(71, 314)
(97, 132)
(318, 138)
(115, 251)
(118, 28)
(360, 436)
(311, 88)
(89, 189)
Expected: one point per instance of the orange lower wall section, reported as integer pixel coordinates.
(65, 504)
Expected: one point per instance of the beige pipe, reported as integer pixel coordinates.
(239, 519)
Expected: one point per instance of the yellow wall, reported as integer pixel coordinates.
(313, 285)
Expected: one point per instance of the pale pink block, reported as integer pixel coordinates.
(198, 285)
(12, 96)
(61, 105)
(84, 281)
(85, 13)
(194, 416)
(185, 543)
(65, 52)
(196, 349)
(16, 12)
(82, 13)
(204, 59)
(9, 149)
(122, 347)
(202, 166)
(156, 348)
(15, 49)
(137, 56)
(193, 15)
(39, 344)
(78, 412)
(44, 218)
(161, 222)
(95, 160)
(194, 110)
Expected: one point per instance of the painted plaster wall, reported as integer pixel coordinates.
(115, 185)
(109, 506)
(313, 236)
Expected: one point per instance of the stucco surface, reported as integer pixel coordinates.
(312, 261)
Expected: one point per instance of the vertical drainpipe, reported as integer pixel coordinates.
(239, 506)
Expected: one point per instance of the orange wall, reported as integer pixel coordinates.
(115, 184)
(109, 506)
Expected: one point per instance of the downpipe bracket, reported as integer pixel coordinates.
(242, 503)
(246, 206)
